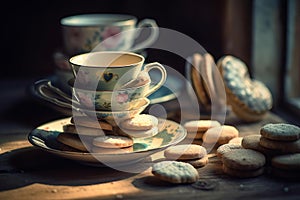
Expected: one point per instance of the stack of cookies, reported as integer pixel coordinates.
(195, 155)
(86, 135)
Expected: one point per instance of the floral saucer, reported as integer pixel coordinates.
(170, 133)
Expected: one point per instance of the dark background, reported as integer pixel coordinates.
(32, 31)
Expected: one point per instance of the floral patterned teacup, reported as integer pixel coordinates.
(112, 32)
(110, 70)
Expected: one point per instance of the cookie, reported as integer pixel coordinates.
(200, 125)
(175, 172)
(185, 152)
(196, 136)
(252, 142)
(221, 150)
(96, 149)
(88, 122)
(82, 130)
(280, 132)
(75, 141)
(197, 163)
(220, 134)
(249, 99)
(243, 159)
(287, 162)
(243, 174)
(112, 141)
(237, 140)
(140, 123)
(283, 146)
(138, 133)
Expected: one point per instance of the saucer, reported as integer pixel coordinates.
(170, 133)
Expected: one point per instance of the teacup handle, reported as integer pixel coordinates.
(46, 84)
(153, 36)
(163, 72)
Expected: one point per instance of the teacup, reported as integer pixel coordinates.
(111, 32)
(110, 70)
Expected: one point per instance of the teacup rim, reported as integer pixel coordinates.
(107, 52)
(67, 20)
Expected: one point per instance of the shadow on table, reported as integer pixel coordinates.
(29, 165)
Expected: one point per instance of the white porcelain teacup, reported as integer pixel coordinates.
(110, 70)
(114, 32)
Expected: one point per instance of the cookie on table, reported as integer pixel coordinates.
(253, 142)
(243, 159)
(243, 174)
(221, 150)
(280, 132)
(200, 125)
(102, 150)
(112, 141)
(194, 136)
(140, 123)
(237, 140)
(175, 172)
(75, 141)
(90, 123)
(221, 134)
(249, 99)
(282, 146)
(185, 152)
(287, 162)
(197, 163)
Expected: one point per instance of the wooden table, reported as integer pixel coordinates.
(27, 172)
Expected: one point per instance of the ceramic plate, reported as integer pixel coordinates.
(170, 133)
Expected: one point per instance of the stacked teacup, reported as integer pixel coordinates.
(98, 32)
(112, 86)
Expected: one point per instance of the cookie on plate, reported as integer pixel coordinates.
(112, 141)
(80, 143)
(280, 132)
(175, 172)
(90, 123)
(243, 159)
(249, 99)
(221, 134)
(282, 146)
(138, 133)
(83, 130)
(221, 150)
(140, 123)
(185, 152)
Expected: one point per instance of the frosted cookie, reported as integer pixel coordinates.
(96, 149)
(75, 141)
(281, 132)
(140, 123)
(220, 135)
(139, 133)
(243, 159)
(185, 152)
(243, 174)
(112, 141)
(88, 122)
(197, 163)
(249, 99)
(221, 150)
(287, 162)
(200, 125)
(283, 146)
(82, 130)
(237, 140)
(252, 142)
(175, 172)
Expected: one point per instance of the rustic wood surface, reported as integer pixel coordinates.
(27, 172)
